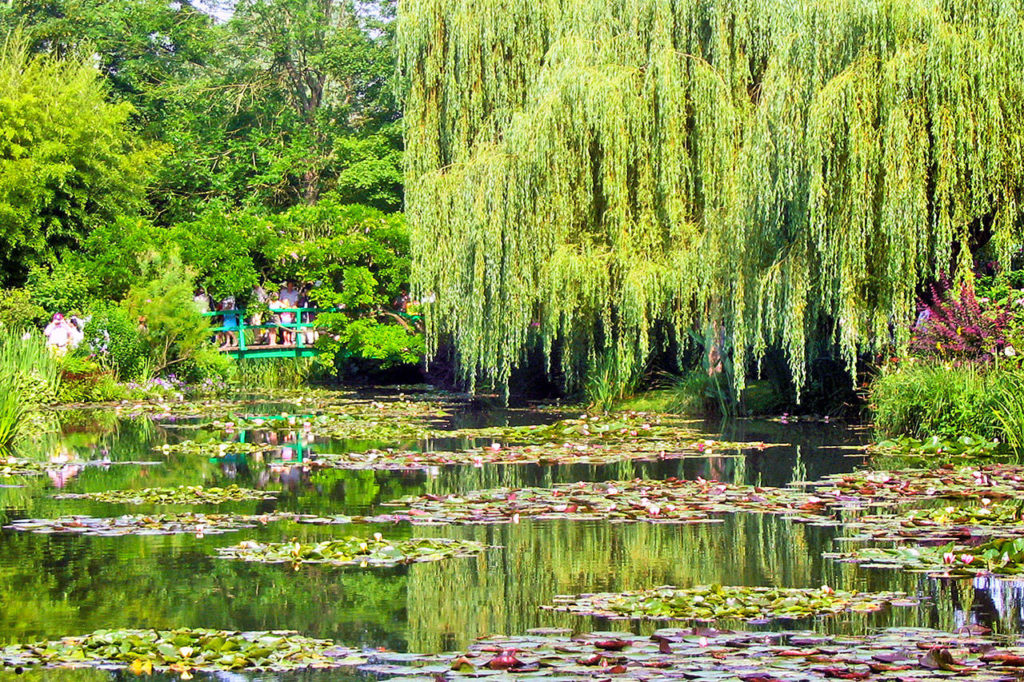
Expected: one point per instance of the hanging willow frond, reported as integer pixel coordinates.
(590, 170)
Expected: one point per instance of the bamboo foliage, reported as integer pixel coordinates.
(584, 173)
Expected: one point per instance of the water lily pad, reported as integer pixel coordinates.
(719, 602)
(714, 655)
(185, 494)
(1001, 557)
(182, 650)
(875, 487)
(142, 524)
(353, 551)
(668, 501)
(13, 466)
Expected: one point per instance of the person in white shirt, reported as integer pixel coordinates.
(59, 334)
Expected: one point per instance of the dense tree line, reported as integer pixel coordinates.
(236, 138)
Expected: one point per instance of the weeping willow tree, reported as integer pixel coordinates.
(599, 175)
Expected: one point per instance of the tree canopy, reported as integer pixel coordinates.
(600, 176)
(68, 159)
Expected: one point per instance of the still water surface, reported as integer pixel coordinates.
(55, 585)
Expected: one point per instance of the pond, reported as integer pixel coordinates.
(53, 585)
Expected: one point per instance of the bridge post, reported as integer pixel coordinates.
(241, 332)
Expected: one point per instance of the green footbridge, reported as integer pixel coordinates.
(259, 340)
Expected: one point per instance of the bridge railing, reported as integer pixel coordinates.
(240, 327)
(299, 347)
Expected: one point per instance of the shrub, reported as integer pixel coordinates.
(112, 337)
(171, 327)
(17, 311)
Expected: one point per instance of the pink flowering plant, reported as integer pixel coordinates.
(960, 327)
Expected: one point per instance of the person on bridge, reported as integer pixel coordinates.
(230, 322)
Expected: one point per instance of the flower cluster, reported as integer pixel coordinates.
(958, 328)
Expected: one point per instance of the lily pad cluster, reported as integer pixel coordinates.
(708, 655)
(988, 481)
(182, 650)
(670, 500)
(627, 427)
(184, 494)
(404, 460)
(25, 467)
(940, 525)
(353, 551)
(215, 448)
(713, 602)
(152, 524)
(998, 556)
(938, 448)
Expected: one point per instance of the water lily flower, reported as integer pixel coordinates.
(948, 558)
(966, 558)
(827, 590)
(378, 536)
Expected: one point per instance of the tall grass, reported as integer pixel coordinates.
(29, 377)
(923, 400)
(273, 372)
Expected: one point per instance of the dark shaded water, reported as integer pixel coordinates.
(54, 585)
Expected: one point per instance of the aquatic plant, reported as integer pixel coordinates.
(148, 524)
(182, 650)
(711, 655)
(669, 501)
(548, 454)
(714, 602)
(16, 466)
(272, 373)
(184, 494)
(352, 551)
(1001, 557)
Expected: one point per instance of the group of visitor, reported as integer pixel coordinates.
(63, 334)
(274, 331)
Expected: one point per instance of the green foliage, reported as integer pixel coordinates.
(62, 288)
(29, 378)
(386, 345)
(17, 310)
(112, 337)
(219, 253)
(610, 380)
(12, 414)
(923, 400)
(273, 372)
(113, 254)
(629, 170)
(170, 325)
(138, 46)
(67, 159)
